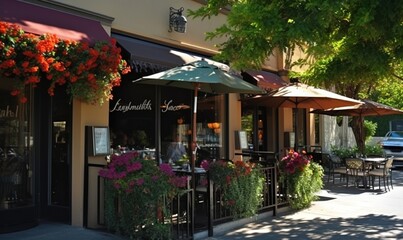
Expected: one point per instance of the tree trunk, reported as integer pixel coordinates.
(357, 125)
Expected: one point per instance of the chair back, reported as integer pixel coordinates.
(354, 165)
(389, 163)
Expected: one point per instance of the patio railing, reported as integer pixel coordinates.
(208, 211)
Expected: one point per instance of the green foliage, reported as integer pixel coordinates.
(376, 150)
(388, 92)
(304, 185)
(241, 185)
(350, 44)
(369, 129)
(244, 194)
(302, 177)
(344, 153)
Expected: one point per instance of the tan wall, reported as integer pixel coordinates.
(234, 124)
(150, 19)
(310, 128)
(84, 115)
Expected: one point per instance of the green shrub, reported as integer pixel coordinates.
(302, 178)
(241, 184)
(344, 153)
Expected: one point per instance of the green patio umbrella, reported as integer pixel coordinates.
(200, 76)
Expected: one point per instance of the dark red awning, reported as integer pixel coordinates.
(266, 80)
(40, 20)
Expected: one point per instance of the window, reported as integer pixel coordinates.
(16, 142)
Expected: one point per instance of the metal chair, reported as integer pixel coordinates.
(384, 172)
(335, 166)
(357, 170)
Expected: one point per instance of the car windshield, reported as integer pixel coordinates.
(396, 134)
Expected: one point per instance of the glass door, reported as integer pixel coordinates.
(56, 170)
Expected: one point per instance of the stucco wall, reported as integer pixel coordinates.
(84, 115)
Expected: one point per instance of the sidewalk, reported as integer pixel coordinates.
(58, 231)
(340, 213)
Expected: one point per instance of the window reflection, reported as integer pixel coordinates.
(15, 143)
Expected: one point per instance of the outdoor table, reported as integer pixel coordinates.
(375, 161)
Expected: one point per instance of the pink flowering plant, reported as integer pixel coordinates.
(302, 178)
(137, 191)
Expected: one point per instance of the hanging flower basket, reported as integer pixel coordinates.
(90, 72)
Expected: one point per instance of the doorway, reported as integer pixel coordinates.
(55, 160)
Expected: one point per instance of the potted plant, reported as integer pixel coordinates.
(302, 178)
(241, 185)
(136, 190)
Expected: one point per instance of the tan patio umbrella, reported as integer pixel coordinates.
(299, 95)
(200, 76)
(366, 108)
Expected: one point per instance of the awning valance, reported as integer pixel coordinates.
(147, 55)
(264, 79)
(40, 20)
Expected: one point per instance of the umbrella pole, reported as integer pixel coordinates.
(362, 137)
(194, 135)
(296, 130)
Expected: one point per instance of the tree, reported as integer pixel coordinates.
(351, 45)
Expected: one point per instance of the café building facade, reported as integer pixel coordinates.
(46, 168)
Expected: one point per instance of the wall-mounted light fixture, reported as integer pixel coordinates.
(177, 21)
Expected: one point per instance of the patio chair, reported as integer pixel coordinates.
(384, 172)
(357, 170)
(335, 166)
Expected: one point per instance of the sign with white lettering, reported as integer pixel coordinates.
(166, 106)
(144, 106)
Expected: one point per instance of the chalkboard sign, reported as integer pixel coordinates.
(98, 140)
(241, 141)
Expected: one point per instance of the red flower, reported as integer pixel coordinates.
(91, 72)
(228, 179)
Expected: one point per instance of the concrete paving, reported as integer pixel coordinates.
(340, 213)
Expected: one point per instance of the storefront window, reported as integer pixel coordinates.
(132, 118)
(133, 122)
(254, 123)
(15, 156)
(177, 110)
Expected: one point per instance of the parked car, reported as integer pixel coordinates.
(392, 145)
